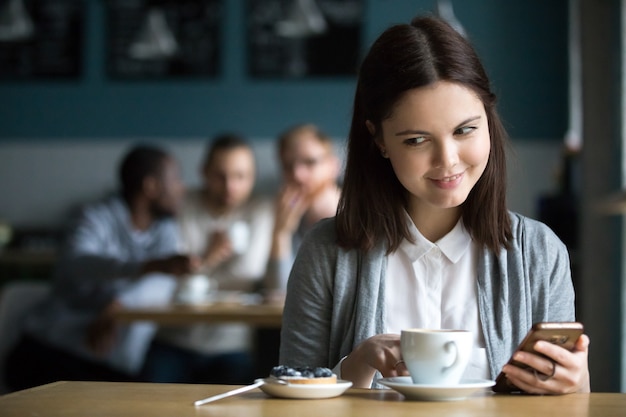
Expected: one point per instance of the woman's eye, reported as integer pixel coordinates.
(416, 140)
(465, 130)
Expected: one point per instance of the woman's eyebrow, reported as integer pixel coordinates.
(469, 120)
(424, 132)
(412, 132)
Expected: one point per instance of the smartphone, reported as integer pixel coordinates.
(563, 334)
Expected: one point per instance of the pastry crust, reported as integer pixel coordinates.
(302, 380)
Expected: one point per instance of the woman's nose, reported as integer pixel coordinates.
(446, 154)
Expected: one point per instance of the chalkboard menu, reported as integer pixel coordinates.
(163, 38)
(41, 38)
(303, 38)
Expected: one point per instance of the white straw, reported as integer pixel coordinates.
(257, 384)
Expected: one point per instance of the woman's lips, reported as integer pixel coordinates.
(449, 182)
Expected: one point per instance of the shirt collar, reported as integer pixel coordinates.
(453, 245)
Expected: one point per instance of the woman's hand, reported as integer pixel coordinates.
(562, 372)
(291, 204)
(378, 353)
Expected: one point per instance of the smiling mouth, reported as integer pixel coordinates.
(450, 179)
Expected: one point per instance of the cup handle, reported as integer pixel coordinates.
(448, 347)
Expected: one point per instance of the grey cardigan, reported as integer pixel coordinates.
(335, 297)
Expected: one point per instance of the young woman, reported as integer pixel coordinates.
(422, 236)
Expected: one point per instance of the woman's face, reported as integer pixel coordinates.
(309, 163)
(437, 140)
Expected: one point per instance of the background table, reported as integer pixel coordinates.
(266, 320)
(108, 399)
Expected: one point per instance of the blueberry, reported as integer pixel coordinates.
(322, 372)
(280, 370)
(303, 371)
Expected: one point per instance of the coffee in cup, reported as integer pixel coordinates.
(436, 357)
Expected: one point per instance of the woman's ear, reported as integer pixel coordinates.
(370, 127)
(377, 140)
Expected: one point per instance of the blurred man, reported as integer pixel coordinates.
(229, 230)
(228, 173)
(120, 251)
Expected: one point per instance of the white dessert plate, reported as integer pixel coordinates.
(424, 392)
(304, 391)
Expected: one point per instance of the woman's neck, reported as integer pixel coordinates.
(434, 223)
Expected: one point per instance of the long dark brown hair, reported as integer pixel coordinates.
(373, 201)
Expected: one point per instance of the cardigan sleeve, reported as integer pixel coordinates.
(306, 328)
(528, 283)
(550, 274)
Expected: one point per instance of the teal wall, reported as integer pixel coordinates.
(523, 44)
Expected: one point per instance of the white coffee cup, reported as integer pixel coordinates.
(436, 357)
(194, 289)
(239, 235)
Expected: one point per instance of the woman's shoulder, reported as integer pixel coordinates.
(320, 241)
(324, 231)
(532, 231)
(519, 222)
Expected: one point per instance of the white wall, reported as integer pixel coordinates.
(41, 180)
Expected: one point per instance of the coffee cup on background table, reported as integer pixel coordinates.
(194, 289)
(239, 235)
(436, 357)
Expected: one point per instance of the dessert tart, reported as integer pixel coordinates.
(304, 375)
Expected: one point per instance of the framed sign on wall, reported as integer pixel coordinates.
(41, 39)
(163, 38)
(303, 38)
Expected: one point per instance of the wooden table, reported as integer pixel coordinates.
(261, 315)
(109, 399)
(266, 319)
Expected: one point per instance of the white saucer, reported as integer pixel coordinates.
(424, 392)
(304, 391)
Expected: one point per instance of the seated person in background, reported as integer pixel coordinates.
(120, 251)
(230, 232)
(310, 193)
